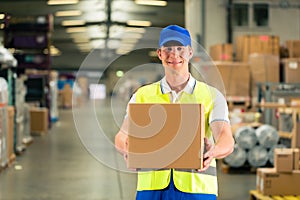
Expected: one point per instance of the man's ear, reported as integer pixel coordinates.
(191, 52)
(158, 51)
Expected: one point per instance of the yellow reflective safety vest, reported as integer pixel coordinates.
(190, 181)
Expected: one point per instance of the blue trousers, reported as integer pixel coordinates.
(171, 193)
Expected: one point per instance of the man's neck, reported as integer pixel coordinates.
(177, 82)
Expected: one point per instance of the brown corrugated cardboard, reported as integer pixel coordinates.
(39, 120)
(165, 136)
(293, 48)
(296, 159)
(236, 78)
(10, 133)
(275, 183)
(283, 160)
(262, 44)
(221, 52)
(263, 68)
(291, 71)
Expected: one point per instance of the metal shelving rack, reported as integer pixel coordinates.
(269, 95)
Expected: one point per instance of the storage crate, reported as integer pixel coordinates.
(255, 195)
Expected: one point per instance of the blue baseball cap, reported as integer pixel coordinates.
(174, 33)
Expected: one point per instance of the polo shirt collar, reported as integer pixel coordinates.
(189, 88)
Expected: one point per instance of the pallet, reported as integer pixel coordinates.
(246, 169)
(255, 195)
(238, 102)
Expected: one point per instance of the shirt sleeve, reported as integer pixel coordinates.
(220, 109)
(131, 100)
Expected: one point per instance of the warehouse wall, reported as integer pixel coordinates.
(284, 22)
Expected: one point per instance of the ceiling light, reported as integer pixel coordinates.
(61, 2)
(138, 23)
(129, 40)
(73, 22)
(133, 29)
(76, 30)
(68, 13)
(2, 26)
(81, 40)
(122, 51)
(2, 16)
(151, 3)
(132, 35)
(120, 73)
(113, 44)
(98, 44)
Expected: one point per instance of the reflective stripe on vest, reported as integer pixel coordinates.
(190, 181)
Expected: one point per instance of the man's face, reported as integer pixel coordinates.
(175, 57)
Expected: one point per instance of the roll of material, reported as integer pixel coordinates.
(267, 136)
(257, 156)
(271, 152)
(237, 158)
(245, 137)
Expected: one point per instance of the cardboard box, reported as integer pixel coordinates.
(165, 136)
(261, 44)
(291, 71)
(236, 78)
(271, 182)
(221, 52)
(283, 160)
(39, 120)
(293, 47)
(10, 133)
(296, 159)
(263, 68)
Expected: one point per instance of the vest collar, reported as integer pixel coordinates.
(189, 88)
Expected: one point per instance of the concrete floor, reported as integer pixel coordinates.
(74, 161)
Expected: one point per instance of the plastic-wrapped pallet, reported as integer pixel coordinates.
(237, 158)
(3, 121)
(258, 156)
(267, 136)
(245, 137)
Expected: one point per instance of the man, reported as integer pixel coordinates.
(178, 86)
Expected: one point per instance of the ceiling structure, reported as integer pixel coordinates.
(99, 30)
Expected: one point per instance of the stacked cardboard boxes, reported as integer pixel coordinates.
(221, 52)
(293, 47)
(284, 178)
(291, 70)
(263, 68)
(263, 44)
(236, 78)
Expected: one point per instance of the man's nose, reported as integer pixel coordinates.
(175, 51)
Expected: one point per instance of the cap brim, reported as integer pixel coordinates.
(174, 40)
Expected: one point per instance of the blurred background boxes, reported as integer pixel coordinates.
(291, 70)
(293, 47)
(221, 52)
(10, 133)
(38, 120)
(263, 44)
(236, 77)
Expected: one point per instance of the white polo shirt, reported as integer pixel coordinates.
(219, 111)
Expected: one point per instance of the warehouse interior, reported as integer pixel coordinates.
(69, 67)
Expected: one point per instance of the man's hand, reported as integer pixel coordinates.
(208, 154)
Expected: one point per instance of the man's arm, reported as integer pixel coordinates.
(224, 143)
